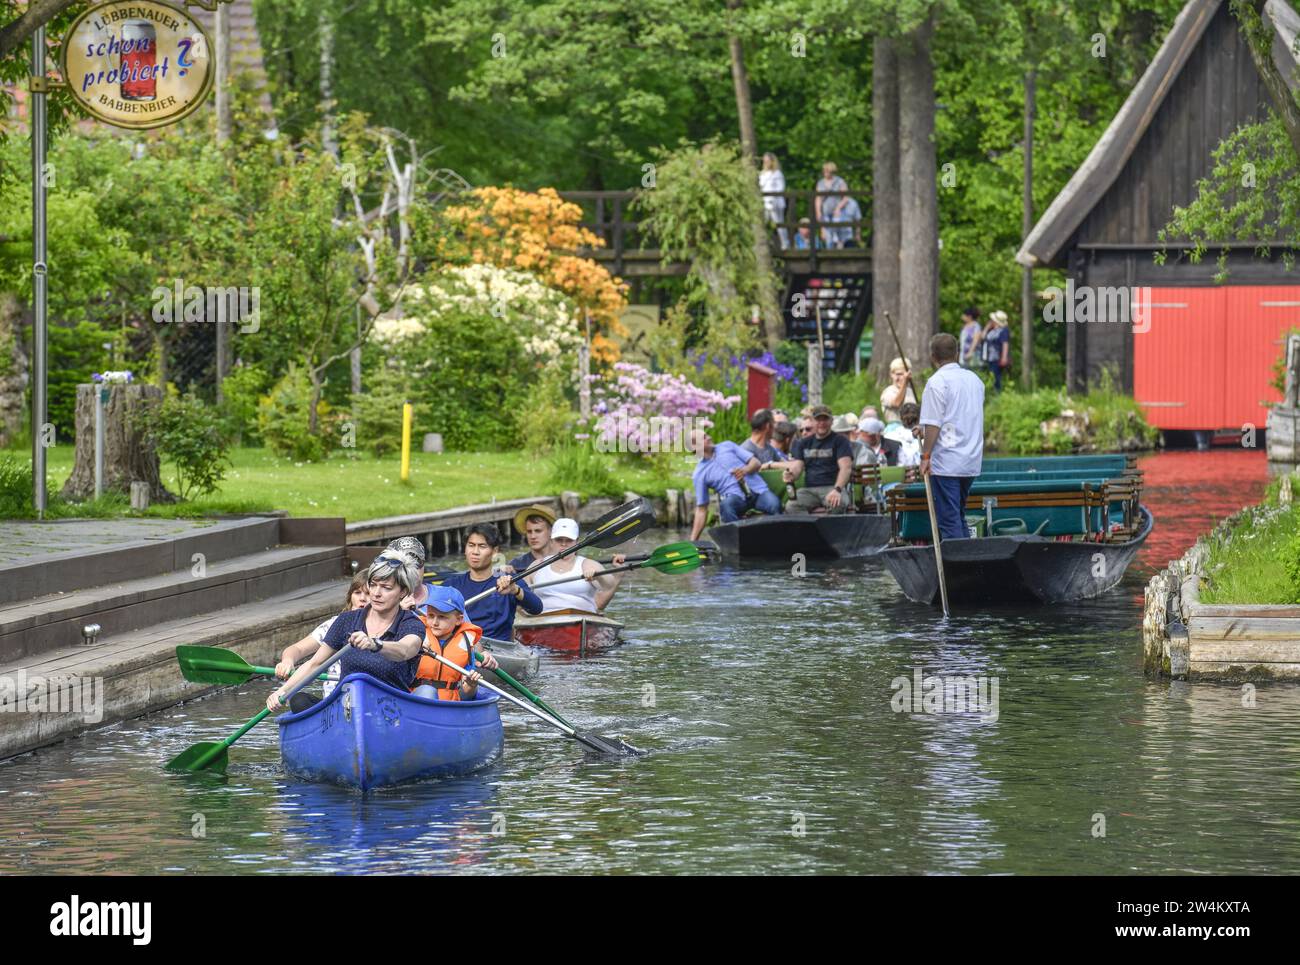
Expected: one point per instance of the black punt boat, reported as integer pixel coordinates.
(1047, 530)
(815, 535)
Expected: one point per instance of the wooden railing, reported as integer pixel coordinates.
(627, 250)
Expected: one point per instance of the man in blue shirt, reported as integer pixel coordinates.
(732, 473)
(494, 614)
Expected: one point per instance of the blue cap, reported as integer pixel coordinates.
(445, 599)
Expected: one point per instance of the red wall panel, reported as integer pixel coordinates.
(1207, 360)
(1178, 362)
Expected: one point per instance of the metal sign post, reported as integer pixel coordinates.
(40, 364)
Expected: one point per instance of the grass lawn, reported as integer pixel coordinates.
(357, 486)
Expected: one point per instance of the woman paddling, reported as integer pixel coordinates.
(385, 638)
(358, 597)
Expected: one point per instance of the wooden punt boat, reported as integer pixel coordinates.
(815, 535)
(367, 734)
(1043, 531)
(569, 631)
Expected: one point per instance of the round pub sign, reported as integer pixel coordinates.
(137, 63)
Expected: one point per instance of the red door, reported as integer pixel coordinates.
(1178, 362)
(1258, 318)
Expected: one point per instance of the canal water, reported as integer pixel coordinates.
(767, 702)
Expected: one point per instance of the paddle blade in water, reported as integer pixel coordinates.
(609, 746)
(207, 756)
(622, 524)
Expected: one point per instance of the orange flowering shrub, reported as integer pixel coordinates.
(541, 233)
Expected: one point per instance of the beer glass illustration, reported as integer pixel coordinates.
(139, 49)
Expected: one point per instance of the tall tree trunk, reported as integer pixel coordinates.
(328, 136)
(918, 276)
(221, 84)
(771, 320)
(885, 214)
(1026, 226)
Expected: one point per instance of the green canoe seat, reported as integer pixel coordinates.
(1106, 464)
(1049, 507)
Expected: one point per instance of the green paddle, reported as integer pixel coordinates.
(211, 756)
(217, 665)
(672, 558)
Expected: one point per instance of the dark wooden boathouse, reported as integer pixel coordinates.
(1198, 355)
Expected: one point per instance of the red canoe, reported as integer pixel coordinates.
(571, 631)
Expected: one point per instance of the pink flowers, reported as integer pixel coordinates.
(648, 412)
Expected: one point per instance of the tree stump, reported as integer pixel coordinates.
(128, 457)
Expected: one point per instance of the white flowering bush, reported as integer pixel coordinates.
(548, 324)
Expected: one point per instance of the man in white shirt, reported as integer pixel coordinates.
(952, 452)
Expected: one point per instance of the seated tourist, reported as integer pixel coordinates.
(876, 449)
(385, 639)
(782, 440)
(826, 460)
(592, 593)
(535, 523)
(732, 473)
(759, 443)
(496, 613)
(907, 435)
(450, 634)
(304, 648)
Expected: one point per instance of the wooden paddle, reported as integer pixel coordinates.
(216, 665)
(929, 492)
(601, 745)
(211, 756)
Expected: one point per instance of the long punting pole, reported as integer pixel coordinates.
(36, 108)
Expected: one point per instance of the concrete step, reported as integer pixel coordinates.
(55, 621)
(128, 674)
(49, 556)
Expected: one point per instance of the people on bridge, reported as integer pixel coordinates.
(732, 473)
(592, 593)
(952, 452)
(535, 523)
(385, 639)
(771, 181)
(825, 458)
(451, 635)
(495, 614)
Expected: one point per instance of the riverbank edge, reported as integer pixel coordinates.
(1185, 639)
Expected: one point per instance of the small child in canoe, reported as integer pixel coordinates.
(450, 635)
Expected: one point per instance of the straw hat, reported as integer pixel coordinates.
(522, 516)
(844, 424)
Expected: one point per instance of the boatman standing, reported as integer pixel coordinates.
(952, 451)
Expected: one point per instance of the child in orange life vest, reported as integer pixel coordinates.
(449, 634)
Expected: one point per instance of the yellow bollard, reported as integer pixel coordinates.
(406, 442)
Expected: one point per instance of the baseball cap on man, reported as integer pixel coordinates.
(820, 411)
(564, 528)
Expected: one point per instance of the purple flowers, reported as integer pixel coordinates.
(733, 369)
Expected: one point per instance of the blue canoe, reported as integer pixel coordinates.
(367, 734)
